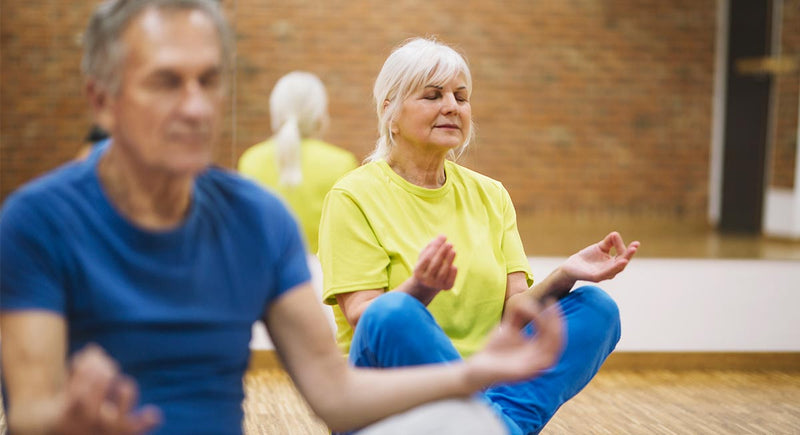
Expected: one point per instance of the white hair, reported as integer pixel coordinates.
(414, 64)
(298, 109)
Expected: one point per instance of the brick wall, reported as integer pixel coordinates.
(582, 106)
(787, 98)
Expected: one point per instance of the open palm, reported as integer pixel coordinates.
(595, 263)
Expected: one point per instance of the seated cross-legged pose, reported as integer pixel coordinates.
(390, 231)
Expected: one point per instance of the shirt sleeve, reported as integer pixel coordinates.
(292, 265)
(30, 275)
(350, 253)
(516, 260)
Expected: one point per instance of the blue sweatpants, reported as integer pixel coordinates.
(397, 330)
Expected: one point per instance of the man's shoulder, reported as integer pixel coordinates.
(56, 184)
(225, 189)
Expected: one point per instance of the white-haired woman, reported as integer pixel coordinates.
(294, 162)
(390, 231)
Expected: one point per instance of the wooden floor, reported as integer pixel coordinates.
(666, 402)
(691, 402)
(615, 402)
(556, 236)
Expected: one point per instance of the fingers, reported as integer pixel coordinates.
(609, 242)
(632, 248)
(548, 321)
(624, 254)
(432, 246)
(100, 399)
(435, 266)
(619, 245)
(442, 268)
(428, 252)
(124, 394)
(451, 278)
(614, 239)
(124, 399)
(145, 419)
(552, 334)
(91, 377)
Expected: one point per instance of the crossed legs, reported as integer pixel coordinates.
(397, 330)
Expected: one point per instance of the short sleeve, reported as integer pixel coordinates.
(516, 260)
(292, 265)
(350, 253)
(30, 272)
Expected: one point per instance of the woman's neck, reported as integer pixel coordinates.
(421, 170)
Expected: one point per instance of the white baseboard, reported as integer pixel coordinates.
(704, 305)
(782, 213)
(694, 305)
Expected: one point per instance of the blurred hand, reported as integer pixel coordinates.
(595, 263)
(511, 356)
(98, 399)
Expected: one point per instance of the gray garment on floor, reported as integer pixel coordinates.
(445, 417)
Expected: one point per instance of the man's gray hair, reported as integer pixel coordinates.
(104, 51)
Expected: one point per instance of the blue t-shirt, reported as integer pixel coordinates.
(174, 308)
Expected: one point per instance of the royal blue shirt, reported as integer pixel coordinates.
(174, 308)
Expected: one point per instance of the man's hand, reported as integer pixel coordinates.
(511, 356)
(99, 400)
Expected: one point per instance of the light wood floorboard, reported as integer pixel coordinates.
(615, 402)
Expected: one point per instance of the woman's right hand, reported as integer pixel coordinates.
(434, 271)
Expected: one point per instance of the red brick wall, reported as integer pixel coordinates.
(787, 98)
(590, 106)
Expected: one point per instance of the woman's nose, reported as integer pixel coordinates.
(449, 103)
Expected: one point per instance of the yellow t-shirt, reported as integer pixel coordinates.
(375, 223)
(321, 163)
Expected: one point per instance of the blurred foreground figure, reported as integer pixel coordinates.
(134, 276)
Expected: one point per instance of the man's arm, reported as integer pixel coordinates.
(348, 398)
(45, 397)
(33, 368)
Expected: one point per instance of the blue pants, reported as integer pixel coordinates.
(397, 330)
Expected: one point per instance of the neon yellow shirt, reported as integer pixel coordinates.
(375, 223)
(321, 163)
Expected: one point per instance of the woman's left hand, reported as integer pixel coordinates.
(595, 263)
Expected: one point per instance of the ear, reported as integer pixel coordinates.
(392, 128)
(100, 103)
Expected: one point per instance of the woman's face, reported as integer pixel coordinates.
(434, 119)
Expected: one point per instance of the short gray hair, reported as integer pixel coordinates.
(414, 64)
(103, 50)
